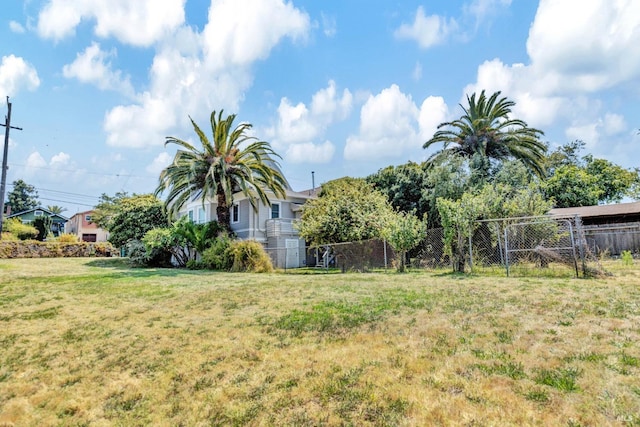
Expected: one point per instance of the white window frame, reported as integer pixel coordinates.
(190, 215)
(202, 215)
(235, 213)
(87, 218)
(279, 211)
(38, 213)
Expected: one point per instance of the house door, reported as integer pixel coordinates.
(293, 253)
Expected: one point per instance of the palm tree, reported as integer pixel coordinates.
(485, 133)
(56, 209)
(229, 163)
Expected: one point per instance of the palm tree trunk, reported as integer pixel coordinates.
(222, 211)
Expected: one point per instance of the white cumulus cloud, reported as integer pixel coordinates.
(299, 126)
(17, 74)
(195, 72)
(428, 31)
(93, 66)
(308, 152)
(240, 32)
(139, 23)
(588, 45)
(387, 127)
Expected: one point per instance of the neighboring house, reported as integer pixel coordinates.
(273, 226)
(27, 217)
(608, 228)
(80, 224)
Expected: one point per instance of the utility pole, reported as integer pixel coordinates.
(3, 183)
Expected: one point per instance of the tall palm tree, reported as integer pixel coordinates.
(231, 162)
(485, 133)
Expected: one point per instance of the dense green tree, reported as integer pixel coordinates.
(572, 186)
(575, 180)
(23, 197)
(404, 186)
(347, 209)
(485, 135)
(133, 217)
(613, 181)
(230, 162)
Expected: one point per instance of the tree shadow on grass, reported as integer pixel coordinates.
(124, 266)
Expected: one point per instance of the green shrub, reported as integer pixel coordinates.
(162, 243)
(218, 256)
(249, 255)
(20, 230)
(627, 258)
(137, 253)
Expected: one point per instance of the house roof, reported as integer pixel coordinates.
(39, 208)
(82, 213)
(619, 209)
(311, 193)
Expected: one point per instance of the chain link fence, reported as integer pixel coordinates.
(363, 256)
(529, 246)
(533, 246)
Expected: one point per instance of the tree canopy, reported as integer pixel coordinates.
(575, 180)
(131, 217)
(405, 187)
(23, 197)
(347, 210)
(230, 162)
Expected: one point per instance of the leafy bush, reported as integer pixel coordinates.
(250, 256)
(627, 258)
(218, 256)
(162, 243)
(67, 238)
(141, 255)
(20, 230)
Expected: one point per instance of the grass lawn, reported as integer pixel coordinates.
(93, 342)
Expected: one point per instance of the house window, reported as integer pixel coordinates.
(37, 213)
(191, 216)
(202, 215)
(275, 210)
(235, 214)
(87, 218)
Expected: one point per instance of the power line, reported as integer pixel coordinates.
(127, 175)
(66, 193)
(66, 201)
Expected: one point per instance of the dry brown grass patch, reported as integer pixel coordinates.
(94, 342)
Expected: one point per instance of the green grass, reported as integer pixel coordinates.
(94, 342)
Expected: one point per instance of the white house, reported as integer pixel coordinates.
(273, 226)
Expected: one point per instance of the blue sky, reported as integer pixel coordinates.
(338, 87)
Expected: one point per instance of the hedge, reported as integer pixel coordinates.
(35, 249)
